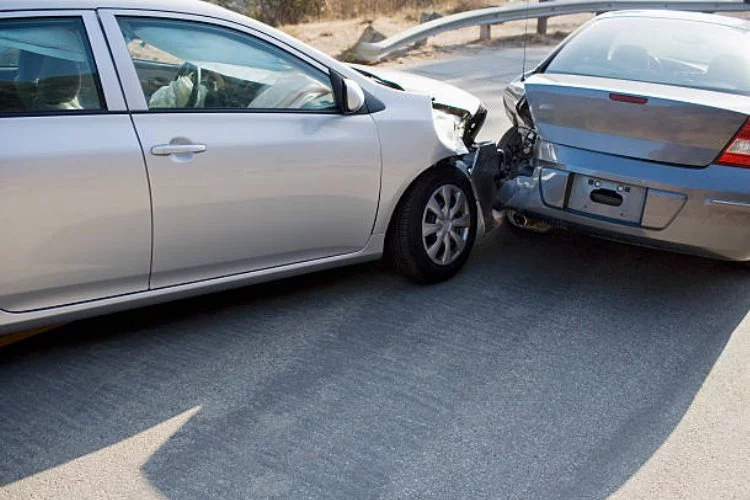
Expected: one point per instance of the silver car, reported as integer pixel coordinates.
(636, 128)
(153, 150)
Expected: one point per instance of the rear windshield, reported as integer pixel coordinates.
(669, 51)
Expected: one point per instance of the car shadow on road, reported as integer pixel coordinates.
(552, 367)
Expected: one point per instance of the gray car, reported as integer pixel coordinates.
(153, 150)
(636, 128)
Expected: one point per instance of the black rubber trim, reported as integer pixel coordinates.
(373, 104)
(248, 111)
(57, 113)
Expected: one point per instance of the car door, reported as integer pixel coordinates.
(74, 198)
(251, 164)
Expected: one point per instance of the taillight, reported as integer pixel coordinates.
(737, 152)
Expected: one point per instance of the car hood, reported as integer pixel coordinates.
(443, 94)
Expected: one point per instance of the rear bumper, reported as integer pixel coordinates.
(699, 211)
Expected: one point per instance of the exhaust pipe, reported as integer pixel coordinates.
(518, 219)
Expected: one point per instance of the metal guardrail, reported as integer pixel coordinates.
(372, 52)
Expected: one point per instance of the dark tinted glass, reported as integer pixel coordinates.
(46, 66)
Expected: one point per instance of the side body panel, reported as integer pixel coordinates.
(12, 322)
(270, 190)
(74, 208)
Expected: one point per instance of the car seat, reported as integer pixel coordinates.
(10, 101)
(58, 85)
(27, 75)
(630, 59)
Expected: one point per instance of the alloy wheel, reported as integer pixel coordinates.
(446, 224)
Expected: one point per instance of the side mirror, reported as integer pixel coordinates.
(350, 97)
(355, 97)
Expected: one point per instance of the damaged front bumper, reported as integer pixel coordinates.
(482, 166)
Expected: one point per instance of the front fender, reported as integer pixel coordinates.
(410, 146)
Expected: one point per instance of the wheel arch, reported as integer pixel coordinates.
(449, 162)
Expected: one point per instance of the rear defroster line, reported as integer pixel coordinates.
(729, 203)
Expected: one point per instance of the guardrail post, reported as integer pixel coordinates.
(485, 32)
(541, 23)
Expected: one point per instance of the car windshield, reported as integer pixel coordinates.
(669, 51)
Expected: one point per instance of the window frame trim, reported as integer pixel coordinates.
(131, 84)
(113, 100)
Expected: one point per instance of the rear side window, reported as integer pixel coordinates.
(46, 66)
(669, 51)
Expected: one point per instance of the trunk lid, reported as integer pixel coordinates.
(648, 121)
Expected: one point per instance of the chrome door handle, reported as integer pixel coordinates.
(177, 149)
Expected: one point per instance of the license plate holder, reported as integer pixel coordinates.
(607, 199)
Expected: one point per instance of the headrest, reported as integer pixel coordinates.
(632, 57)
(59, 82)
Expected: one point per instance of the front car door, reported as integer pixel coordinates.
(75, 212)
(251, 164)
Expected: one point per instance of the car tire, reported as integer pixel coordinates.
(422, 225)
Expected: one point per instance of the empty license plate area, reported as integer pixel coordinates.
(604, 198)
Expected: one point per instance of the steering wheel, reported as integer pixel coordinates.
(194, 73)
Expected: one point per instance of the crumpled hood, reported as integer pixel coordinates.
(443, 94)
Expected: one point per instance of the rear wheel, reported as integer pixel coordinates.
(434, 228)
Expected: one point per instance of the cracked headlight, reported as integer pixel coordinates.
(450, 130)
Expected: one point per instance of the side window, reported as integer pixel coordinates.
(46, 66)
(186, 65)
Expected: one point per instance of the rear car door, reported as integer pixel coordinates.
(251, 164)
(74, 198)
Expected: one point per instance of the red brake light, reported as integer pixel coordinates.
(737, 152)
(630, 99)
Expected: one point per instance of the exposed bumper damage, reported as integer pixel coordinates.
(458, 117)
(675, 209)
(482, 165)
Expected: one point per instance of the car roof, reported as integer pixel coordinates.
(732, 22)
(181, 6)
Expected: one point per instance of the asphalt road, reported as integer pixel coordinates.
(554, 366)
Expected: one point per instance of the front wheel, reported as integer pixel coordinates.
(434, 228)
